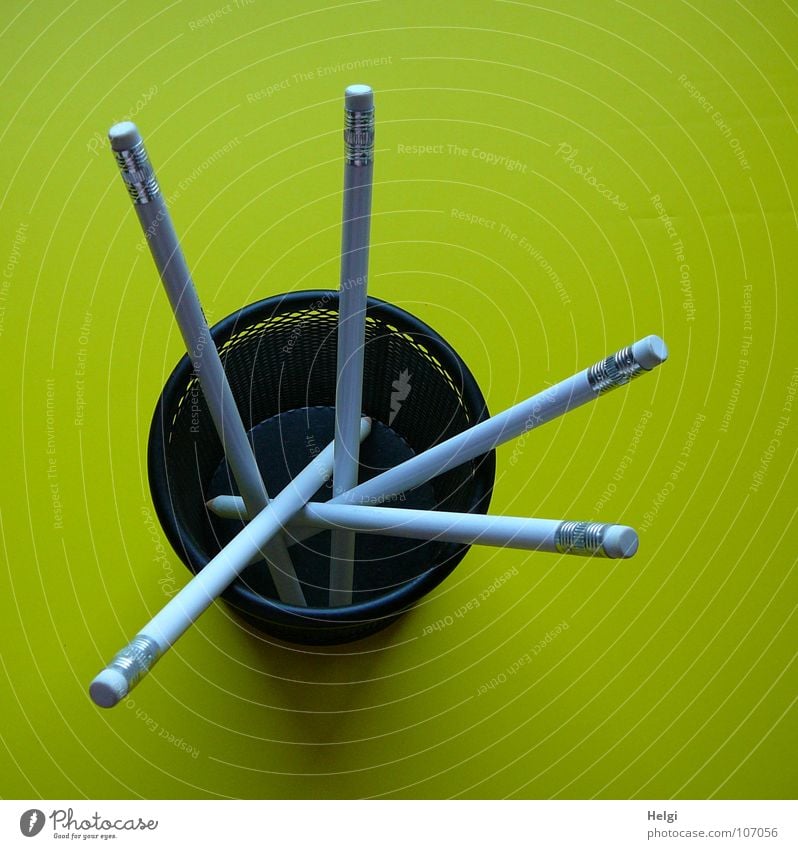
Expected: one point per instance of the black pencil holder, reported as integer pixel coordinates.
(279, 355)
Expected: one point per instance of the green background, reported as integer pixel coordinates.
(669, 675)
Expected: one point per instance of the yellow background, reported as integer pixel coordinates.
(670, 675)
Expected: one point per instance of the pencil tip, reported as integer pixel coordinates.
(650, 352)
(108, 688)
(359, 98)
(124, 135)
(620, 541)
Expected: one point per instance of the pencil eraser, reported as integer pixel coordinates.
(124, 135)
(620, 541)
(650, 352)
(108, 688)
(359, 98)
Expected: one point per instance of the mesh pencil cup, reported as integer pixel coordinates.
(279, 355)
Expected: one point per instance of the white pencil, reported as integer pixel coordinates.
(358, 176)
(131, 664)
(616, 370)
(142, 185)
(554, 535)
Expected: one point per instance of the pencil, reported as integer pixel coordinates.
(142, 185)
(358, 176)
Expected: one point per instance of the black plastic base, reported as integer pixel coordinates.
(284, 445)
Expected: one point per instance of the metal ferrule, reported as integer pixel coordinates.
(616, 370)
(586, 538)
(136, 659)
(358, 137)
(134, 165)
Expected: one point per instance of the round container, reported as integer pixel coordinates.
(280, 358)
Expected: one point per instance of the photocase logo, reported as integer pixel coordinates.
(401, 389)
(31, 822)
